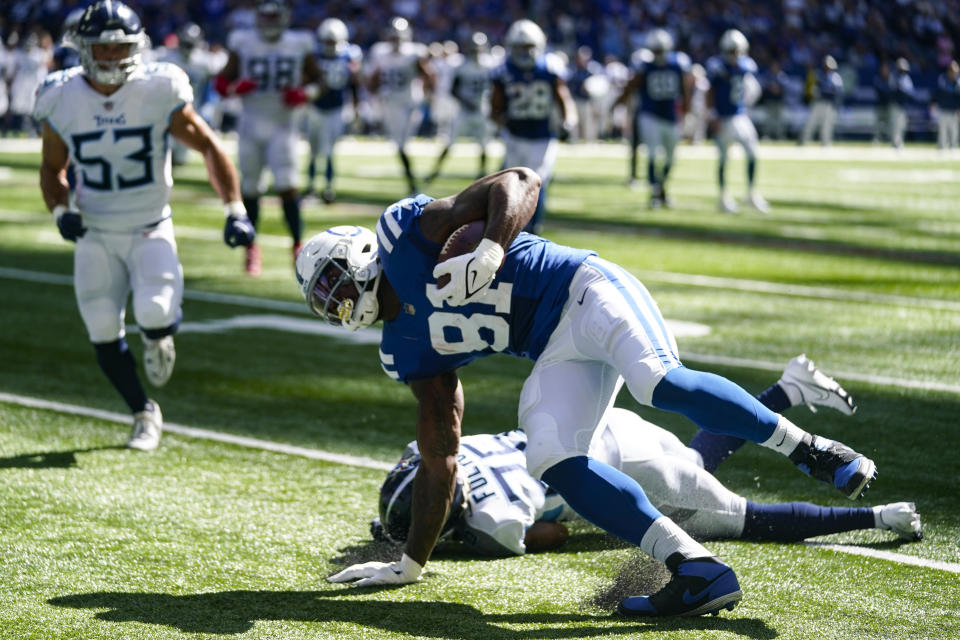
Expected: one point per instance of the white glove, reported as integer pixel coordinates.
(470, 274)
(404, 571)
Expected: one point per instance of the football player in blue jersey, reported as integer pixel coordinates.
(665, 84)
(112, 118)
(729, 75)
(525, 89)
(827, 95)
(339, 65)
(588, 325)
(945, 107)
(500, 510)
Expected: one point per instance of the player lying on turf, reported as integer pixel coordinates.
(501, 510)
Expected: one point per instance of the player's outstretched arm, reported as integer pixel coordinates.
(440, 402)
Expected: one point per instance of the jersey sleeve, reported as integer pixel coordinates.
(48, 94)
(179, 84)
(714, 68)
(683, 62)
(236, 39)
(496, 528)
(749, 65)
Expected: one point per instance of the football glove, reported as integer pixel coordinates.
(238, 231)
(240, 87)
(470, 274)
(294, 97)
(69, 223)
(367, 574)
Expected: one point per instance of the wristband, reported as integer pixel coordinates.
(58, 211)
(234, 208)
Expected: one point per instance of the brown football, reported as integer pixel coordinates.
(464, 240)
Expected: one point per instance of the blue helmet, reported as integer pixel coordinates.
(109, 22)
(396, 501)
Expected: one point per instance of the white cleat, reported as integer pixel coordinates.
(158, 359)
(147, 428)
(805, 384)
(728, 204)
(901, 518)
(758, 202)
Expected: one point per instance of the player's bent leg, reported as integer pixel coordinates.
(793, 521)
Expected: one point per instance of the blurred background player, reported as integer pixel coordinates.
(726, 99)
(471, 90)
(827, 95)
(505, 511)
(111, 119)
(65, 56)
(191, 55)
(883, 105)
(268, 67)
(31, 64)
(339, 65)
(525, 90)
(774, 83)
(664, 83)
(902, 94)
(395, 65)
(946, 106)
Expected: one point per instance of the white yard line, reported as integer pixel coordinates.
(371, 336)
(370, 463)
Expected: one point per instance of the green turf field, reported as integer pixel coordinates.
(856, 265)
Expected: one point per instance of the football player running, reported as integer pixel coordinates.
(471, 90)
(339, 64)
(525, 90)
(665, 85)
(110, 118)
(273, 70)
(729, 74)
(503, 511)
(588, 325)
(394, 65)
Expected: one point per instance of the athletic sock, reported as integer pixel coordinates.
(291, 213)
(252, 205)
(118, 365)
(329, 172)
(785, 437)
(793, 521)
(775, 398)
(751, 171)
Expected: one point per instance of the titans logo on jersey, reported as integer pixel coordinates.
(335, 71)
(726, 80)
(117, 142)
(663, 84)
(430, 337)
(529, 98)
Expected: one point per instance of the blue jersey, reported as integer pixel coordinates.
(529, 98)
(947, 95)
(429, 337)
(829, 86)
(662, 87)
(335, 71)
(726, 80)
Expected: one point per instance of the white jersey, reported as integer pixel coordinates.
(472, 83)
(199, 66)
(275, 66)
(398, 70)
(118, 143)
(30, 67)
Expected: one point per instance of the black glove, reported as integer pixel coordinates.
(238, 231)
(71, 226)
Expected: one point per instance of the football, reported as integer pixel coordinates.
(464, 240)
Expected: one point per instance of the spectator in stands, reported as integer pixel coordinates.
(903, 94)
(827, 94)
(774, 83)
(883, 86)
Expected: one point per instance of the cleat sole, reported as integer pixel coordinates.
(869, 475)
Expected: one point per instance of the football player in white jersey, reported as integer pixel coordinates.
(273, 70)
(110, 118)
(394, 66)
(471, 90)
(192, 56)
(505, 511)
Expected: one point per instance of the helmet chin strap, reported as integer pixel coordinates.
(367, 308)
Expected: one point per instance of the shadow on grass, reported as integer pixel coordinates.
(49, 459)
(235, 612)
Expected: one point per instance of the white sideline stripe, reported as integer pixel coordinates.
(763, 286)
(370, 463)
(264, 303)
(203, 434)
(952, 567)
(764, 365)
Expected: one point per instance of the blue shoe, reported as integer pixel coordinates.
(835, 463)
(698, 586)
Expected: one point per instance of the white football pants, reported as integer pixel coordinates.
(264, 144)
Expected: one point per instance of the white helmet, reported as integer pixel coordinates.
(339, 275)
(272, 19)
(733, 42)
(526, 42)
(332, 34)
(659, 41)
